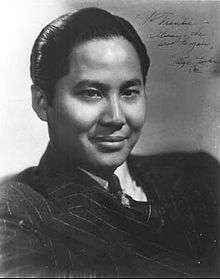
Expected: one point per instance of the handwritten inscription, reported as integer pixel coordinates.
(188, 37)
(165, 18)
(195, 64)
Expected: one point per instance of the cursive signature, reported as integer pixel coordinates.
(194, 64)
(189, 45)
(180, 35)
(184, 34)
(165, 34)
(168, 19)
(189, 42)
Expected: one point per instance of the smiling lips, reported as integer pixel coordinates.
(109, 138)
(110, 143)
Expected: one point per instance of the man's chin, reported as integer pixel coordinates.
(110, 160)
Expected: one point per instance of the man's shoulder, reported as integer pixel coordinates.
(181, 178)
(188, 167)
(19, 200)
(186, 187)
(11, 184)
(181, 159)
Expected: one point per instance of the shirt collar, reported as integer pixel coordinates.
(101, 181)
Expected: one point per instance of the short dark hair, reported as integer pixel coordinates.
(51, 50)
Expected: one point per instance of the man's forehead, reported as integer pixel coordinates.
(104, 51)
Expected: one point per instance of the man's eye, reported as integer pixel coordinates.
(131, 93)
(90, 94)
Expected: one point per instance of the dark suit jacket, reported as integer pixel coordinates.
(55, 223)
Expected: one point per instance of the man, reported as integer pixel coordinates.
(71, 216)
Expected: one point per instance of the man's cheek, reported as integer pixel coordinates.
(137, 118)
(84, 118)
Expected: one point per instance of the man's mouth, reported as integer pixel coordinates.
(109, 138)
(109, 143)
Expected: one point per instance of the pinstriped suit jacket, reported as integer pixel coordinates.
(56, 224)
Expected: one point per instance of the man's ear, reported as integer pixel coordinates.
(39, 102)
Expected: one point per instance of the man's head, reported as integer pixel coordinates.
(89, 70)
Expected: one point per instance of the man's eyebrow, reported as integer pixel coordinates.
(91, 83)
(104, 87)
(130, 83)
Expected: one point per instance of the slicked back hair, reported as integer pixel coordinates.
(51, 50)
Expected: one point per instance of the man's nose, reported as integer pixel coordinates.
(113, 115)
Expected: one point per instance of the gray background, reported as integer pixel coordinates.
(183, 84)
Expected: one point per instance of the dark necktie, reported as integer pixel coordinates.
(114, 186)
(139, 207)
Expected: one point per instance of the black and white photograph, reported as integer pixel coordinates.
(110, 138)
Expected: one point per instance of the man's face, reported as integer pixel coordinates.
(99, 107)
